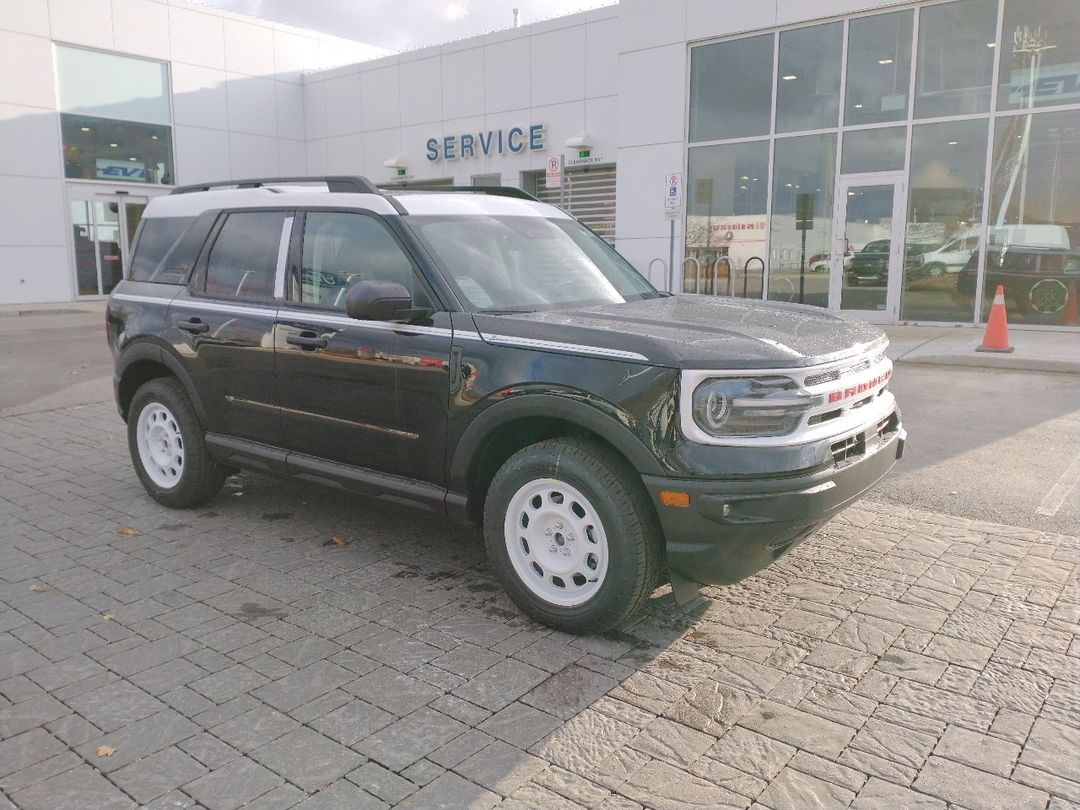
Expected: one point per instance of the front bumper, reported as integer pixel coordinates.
(733, 529)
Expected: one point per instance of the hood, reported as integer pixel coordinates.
(694, 331)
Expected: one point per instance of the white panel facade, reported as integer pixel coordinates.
(200, 97)
(421, 81)
(141, 28)
(26, 65)
(29, 142)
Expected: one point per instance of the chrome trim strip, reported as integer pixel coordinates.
(404, 434)
(344, 320)
(282, 257)
(232, 309)
(144, 299)
(532, 343)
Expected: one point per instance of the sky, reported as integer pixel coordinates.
(401, 25)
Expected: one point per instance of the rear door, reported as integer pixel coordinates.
(222, 326)
(368, 394)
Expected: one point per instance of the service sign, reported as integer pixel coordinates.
(130, 170)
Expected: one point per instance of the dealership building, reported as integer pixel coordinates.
(894, 161)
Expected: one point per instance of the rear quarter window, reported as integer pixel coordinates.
(161, 251)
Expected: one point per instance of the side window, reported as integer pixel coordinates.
(341, 249)
(158, 237)
(243, 260)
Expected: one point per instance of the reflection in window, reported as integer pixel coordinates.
(1034, 218)
(725, 222)
(956, 58)
(808, 84)
(119, 151)
(731, 89)
(800, 259)
(874, 150)
(878, 68)
(243, 260)
(112, 86)
(944, 218)
(1040, 57)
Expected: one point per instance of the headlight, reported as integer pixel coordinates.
(748, 407)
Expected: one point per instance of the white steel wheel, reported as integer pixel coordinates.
(556, 542)
(160, 445)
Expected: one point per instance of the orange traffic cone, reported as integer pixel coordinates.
(1069, 316)
(996, 338)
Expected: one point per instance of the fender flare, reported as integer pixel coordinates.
(568, 406)
(154, 352)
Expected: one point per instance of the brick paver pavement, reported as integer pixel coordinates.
(237, 656)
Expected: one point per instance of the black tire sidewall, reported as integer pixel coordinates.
(619, 511)
(200, 478)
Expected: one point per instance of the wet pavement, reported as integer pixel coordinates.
(292, 646)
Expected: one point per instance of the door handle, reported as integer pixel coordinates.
(306, 340)
(194, 326)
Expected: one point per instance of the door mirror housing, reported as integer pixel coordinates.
(377, 301)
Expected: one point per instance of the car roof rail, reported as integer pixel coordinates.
(355, 184)
(495, 191)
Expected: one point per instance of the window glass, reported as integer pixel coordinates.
(342, 249)
(944, 216)
(1033, 239)
(120, 151)
(1040, 54)
(156, 240)
(731, 89)
(801, 235)
(725, 222)
(527, 263)
(111, 86)
(808, 84)
(874, 150)
(243, 260)
(956, 58)
(878, 68)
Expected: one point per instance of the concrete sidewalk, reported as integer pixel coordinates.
(1035, 350)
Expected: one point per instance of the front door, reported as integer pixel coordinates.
(102, 227)
(870, 218)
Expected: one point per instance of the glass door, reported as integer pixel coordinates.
(867, 269)
(102, 227)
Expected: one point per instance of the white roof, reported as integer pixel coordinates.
(193, 203)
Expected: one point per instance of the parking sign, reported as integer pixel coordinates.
(673, 191)
(554, 172)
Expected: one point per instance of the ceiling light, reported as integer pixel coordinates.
(85, 129)
(953, 143)
(114, 145)
(744, 177)
(787, 185)
(789, 77)
(153, 137)
(884, 61)
(132, 158)
(743, 188)
(991, 44)
(858, 106)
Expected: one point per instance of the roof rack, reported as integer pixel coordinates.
(355, 185)
(495, 191)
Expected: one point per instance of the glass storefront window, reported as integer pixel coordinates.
(874, 150)
(878, 68)
(725, 222)
(944, 218)
(1033, 234)
(112, 86)
(731, 89)
(1040, 54)
(956, 58)
(802, 211)
(808, 80)
(120, 151)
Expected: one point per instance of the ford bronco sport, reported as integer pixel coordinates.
(480, 354)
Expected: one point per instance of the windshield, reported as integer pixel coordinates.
(523, 264)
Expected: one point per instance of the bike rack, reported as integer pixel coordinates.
(663, 268)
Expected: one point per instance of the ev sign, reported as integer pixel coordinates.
(120, 170)
(673, 194)
(553, 178)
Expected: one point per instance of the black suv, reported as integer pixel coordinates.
(480, 354)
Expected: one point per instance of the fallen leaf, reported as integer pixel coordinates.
(107, 617)
(105, 751)
(124, 531)
(39, 588)
(337, 541)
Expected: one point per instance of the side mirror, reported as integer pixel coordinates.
(377, 300)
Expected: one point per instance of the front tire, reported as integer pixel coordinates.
(166, 444)
(572, 536)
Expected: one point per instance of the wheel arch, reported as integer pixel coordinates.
(506, 427)
(145, 361)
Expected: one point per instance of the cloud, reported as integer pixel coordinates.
(405, 24)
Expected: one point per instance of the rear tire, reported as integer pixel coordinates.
(166, 444)
(572, 536)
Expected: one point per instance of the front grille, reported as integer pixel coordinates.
(854, 446)
(836, 373)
